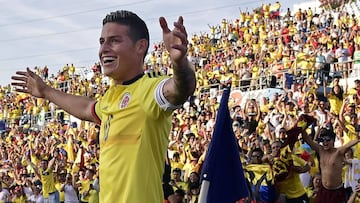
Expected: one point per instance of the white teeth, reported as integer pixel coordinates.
(107, 59)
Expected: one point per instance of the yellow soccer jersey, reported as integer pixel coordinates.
(292, 186)
(47, 180)
(61, 193)
(133, 141)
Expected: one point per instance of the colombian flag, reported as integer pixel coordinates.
(261, 182)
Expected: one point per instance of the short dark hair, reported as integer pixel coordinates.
(181, 192)
(137, 27)
(357, 128)
(177, 170)
(259, 150)
(176, 154)
(193, 185)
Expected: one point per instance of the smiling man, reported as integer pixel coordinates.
(135, 113)
(331, 163)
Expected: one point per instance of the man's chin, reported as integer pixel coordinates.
(108, 73)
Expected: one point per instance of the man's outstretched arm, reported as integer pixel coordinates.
(315, 146)
(30, 83)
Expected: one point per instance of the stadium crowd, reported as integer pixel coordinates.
(303, 53)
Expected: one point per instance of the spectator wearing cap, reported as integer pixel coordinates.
(332, 189)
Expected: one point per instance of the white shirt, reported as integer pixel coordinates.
(37, 198)
(4, 195)
(70, 194)
(322, 116)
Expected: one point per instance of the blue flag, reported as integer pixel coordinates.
(222, 175)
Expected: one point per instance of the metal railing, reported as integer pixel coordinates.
(268, 81)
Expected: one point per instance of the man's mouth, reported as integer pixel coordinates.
(108, 59)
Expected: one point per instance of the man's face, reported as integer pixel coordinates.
(275, 148)
(118, 54)
(357, 85)
(353, 118)
(176, 175)
(321, 105)
(256, 158)
(327, 142)
(282, 133)
(43, 165)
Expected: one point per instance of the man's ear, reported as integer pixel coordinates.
(142, 46)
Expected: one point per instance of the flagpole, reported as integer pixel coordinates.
(204, 191)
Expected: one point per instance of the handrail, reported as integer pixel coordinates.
(262, 78)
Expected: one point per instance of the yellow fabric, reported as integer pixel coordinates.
(70, 149)
(85, 186)
(335, 104)
(61, 193)
(259, 170)
(47, 180)
(182, 185)
(292, 186)
(133, 136)
(93, 196)
(21, 199)
(177, 164)
(350, 135)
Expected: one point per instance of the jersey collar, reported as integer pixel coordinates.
(133, 80)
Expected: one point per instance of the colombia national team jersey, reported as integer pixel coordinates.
(133, 142)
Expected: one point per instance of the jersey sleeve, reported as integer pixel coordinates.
(96, 113)
(153, 103)
(161, 99)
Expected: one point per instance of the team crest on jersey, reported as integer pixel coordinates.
(124, 102)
